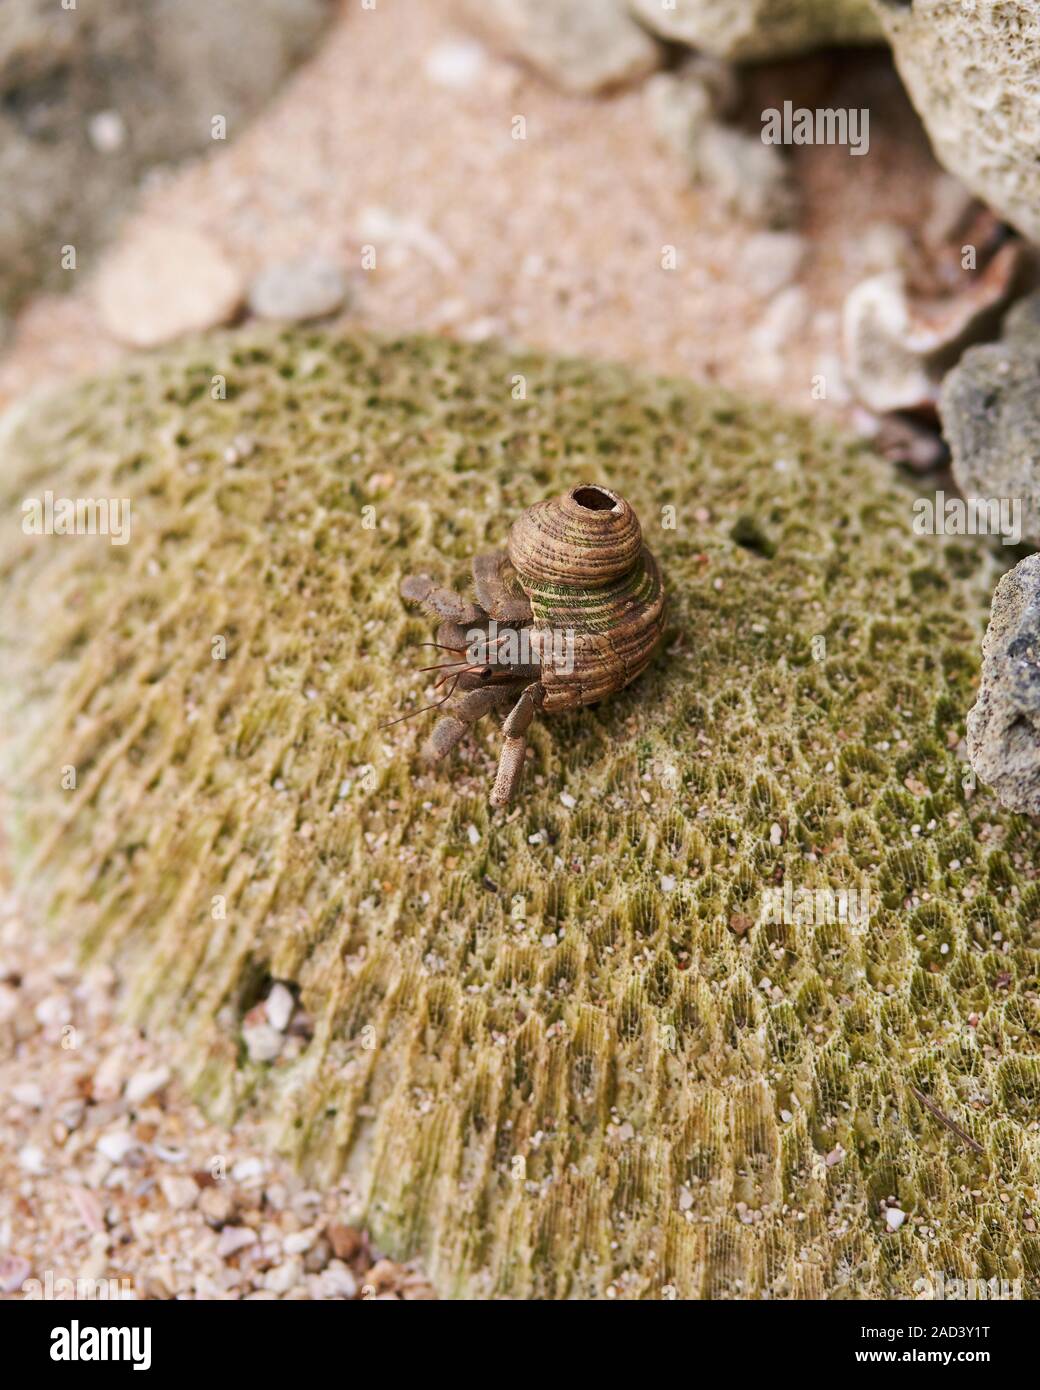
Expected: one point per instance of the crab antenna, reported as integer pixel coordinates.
(446, 666)
(412, 714)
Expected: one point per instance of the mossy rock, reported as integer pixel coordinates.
(555, 1047)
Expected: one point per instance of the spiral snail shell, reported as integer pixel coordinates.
(581, 561)
(568, 614)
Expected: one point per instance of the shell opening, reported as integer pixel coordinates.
(596, 499)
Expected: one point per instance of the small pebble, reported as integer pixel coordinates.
(307, 288)
(337, 1281)
(146, 1083)
(27, 1093)
(116, 1144)
(235, 1238)
(106, 131)
(31, 1160)
(263, 1043)
(13, 1273)
(455, 63)
(163, 282)
(180, 1192)
(283, 1277)
(247, 1169)
(279, 1007)
(299, 1242)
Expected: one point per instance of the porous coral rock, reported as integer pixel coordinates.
(565, 1055)
(972, 70)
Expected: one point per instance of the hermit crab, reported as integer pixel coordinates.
(569, 613)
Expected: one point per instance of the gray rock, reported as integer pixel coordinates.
(90, 101)
(744, 29)
(584, 48)
(307, 288)
(1004, 723)
(972, 69)
(990, 410)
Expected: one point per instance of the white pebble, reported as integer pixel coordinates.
(54, 1011)
(284, 1277)
(31, 1160)
(27, 1093)
(894, 1218)
(338, 1281)
(247, 1169)
(106, 131)
(455, 63)
(180, 1192)
(234, 1238)
(116, 1144)
(279, 1006)
(299, 1242)
(146, 1083)
(263, 1043)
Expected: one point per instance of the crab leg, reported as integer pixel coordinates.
(448, 731)
(420, 588)
(514, 747)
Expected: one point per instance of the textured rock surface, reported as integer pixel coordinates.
(990, 409)
(92, 97)
(583, 48)
(745, 29)
(973, 72)
(556, 1048)
(1004, 725)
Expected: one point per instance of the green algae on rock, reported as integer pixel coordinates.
(562, 1051)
